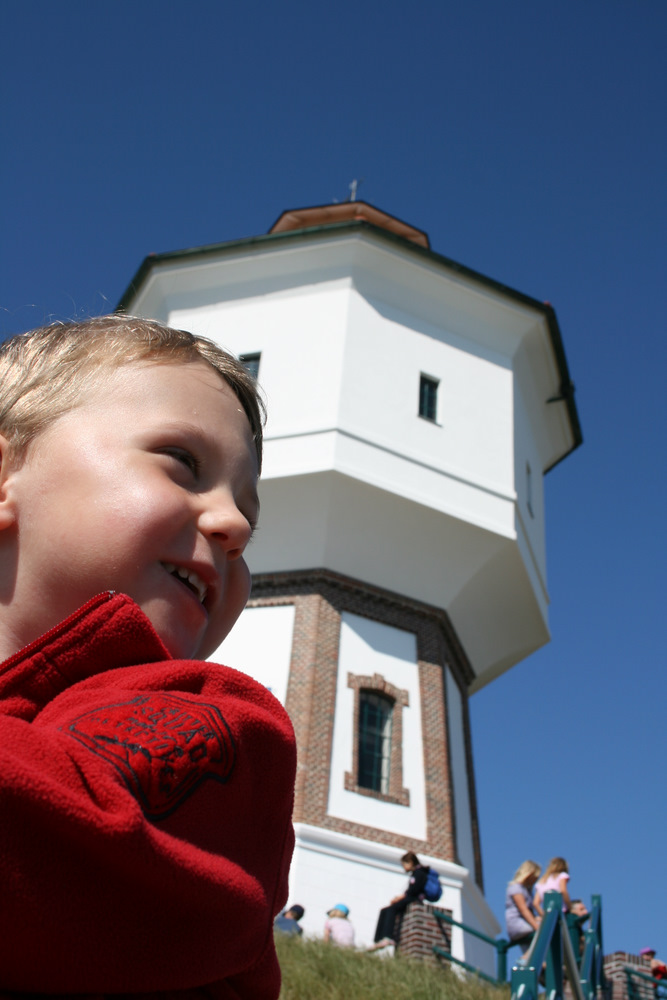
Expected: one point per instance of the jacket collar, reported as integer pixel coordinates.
(107, 632)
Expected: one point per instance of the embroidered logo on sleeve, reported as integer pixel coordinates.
(163, 746)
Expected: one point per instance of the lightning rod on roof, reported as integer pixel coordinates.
(353, 188)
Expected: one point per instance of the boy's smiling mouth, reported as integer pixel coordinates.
(191, 580)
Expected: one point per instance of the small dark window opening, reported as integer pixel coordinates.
(375, 712)
(529, 489)
(251, 362)
(428, 397)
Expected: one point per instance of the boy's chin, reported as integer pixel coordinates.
(180, 644)
(182, 630)
(188, 636)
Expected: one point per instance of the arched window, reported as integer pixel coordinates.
(375, 719)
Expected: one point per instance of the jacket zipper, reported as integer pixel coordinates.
(62, 626)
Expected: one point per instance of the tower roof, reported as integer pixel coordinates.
(348, 211)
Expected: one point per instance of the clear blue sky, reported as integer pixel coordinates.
(529, 140)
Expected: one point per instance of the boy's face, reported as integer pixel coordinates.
(148, 488)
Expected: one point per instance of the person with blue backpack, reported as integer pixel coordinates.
(424, 884)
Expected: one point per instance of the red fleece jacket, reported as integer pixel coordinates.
(145, 817)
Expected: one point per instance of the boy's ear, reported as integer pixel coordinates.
(7, 506)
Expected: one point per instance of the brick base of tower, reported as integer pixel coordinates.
(320, 598)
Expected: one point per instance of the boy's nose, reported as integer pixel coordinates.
(222, 522)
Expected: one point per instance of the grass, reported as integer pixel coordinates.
(315, 970)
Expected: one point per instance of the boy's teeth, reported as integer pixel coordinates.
(190, 576)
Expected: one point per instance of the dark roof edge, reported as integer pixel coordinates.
(566, 387)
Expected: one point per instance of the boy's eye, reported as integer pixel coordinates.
(185, 457)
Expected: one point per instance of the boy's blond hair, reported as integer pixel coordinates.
(43, 373)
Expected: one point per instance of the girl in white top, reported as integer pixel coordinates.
(337, 927)
(555, 879)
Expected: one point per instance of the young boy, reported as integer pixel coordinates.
(145, 795)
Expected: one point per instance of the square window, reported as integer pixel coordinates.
(428, 397)
(251, 362)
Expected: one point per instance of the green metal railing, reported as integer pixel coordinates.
(501, 945)
(642, 986)
(553, 955)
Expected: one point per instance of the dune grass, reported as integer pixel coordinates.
(314, 970)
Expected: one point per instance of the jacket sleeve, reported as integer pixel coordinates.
(146, 834)
(417, 882)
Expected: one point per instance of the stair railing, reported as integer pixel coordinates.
(551, 954)
(501, 946)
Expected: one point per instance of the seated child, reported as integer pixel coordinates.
(390, 918)
(145, 795)
(521, 919)
(288, 921)
(338, 927)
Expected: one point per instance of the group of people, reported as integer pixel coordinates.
(525, 895)
(524, 909)
(338, 928)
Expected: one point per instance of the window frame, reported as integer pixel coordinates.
(377, 684)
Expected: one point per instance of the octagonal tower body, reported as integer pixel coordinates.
(414, 407)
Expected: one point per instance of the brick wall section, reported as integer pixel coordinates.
(432, 653)
(320, 597)
(310, 701)
(420, 931)
(614, 968)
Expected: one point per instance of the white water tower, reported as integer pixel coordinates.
(414, 408)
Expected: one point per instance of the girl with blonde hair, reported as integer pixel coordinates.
(520, 916)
